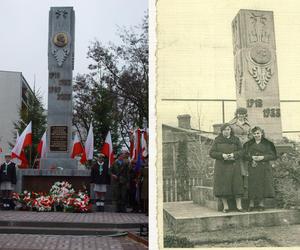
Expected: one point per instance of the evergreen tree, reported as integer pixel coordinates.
(34, 112)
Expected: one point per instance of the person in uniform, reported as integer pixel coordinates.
(133, 186)
(228, 183)
(242, 129)
(100, 180)
(8, 178)
(259, 152)
(119, 172)
(144, 188)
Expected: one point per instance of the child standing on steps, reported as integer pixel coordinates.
(8, 178)
(100, 178)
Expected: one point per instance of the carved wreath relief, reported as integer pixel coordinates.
(260, 58)
(60, 47)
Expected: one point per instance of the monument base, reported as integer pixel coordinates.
(58, 163)
(41, 180)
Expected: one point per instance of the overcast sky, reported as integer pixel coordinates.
(24, 32)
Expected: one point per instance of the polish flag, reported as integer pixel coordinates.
(137, 144)
(131, 139)
(89, 144)
(144, 144)
(78, 149)
(23, 141)
(107, 149)
(42, 146)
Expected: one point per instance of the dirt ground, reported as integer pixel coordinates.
(279, 236)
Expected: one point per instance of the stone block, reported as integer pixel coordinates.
(186, 217)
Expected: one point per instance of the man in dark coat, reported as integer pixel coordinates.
(119, 182)
(100, 178)
(8, 178)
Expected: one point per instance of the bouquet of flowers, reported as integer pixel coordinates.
(60, 191)
(62, 197)
(43, 203)
(24, 198)
(78, 202)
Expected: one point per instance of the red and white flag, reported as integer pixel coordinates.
(144, 144)
(107, 149)
(78, 149)
(137, 144)
(89, 144)
(23, 141)
(42, 146)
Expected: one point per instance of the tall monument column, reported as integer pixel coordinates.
(60, 66)
(255, 66)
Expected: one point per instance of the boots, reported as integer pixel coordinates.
(100, 205)
(6, 205)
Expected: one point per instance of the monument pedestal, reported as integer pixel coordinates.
(56, 163)
(41, 180)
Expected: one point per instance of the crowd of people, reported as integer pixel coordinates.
(129, 183)
(242, 164)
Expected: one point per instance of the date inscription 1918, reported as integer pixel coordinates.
(267, 112)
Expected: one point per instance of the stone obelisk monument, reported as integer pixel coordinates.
(60, 66)
(255, 66)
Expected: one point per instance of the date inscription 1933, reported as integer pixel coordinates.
(267, 112)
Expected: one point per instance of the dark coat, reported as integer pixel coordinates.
(228, 180)
(145, 187)
(260, 177)
(98, 178)
(11, 174)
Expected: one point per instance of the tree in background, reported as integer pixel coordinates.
(115, 92)
(35, 112)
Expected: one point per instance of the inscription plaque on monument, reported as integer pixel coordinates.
(59, 138)
(255, 65)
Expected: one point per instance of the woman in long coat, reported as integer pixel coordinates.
(259, 152)
(228, 183)
(242, 129)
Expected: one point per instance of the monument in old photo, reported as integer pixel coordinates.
(255, 67)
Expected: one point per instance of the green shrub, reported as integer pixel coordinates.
(286, 171)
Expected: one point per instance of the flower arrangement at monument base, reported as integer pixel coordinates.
(62, 197)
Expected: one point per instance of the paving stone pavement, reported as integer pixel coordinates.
(73, 217)
(66, 242)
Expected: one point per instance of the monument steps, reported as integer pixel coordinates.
(64, 231)
(68, 228)
(81, 225)
(203, 196)
(187, 217)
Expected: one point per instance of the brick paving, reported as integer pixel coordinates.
(106, 217)
(66, 242)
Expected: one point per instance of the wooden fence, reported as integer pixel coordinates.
(172, 192)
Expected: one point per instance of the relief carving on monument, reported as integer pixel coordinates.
(260, 65)
(258, 31)
(59, 49)
(238, 65)
(235, 35)
(60, 13)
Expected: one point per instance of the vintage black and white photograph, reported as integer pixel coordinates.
(228, 123)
